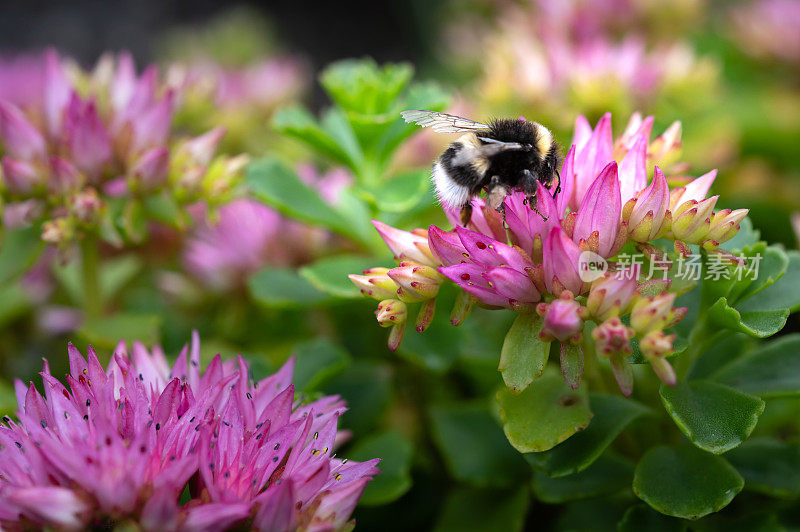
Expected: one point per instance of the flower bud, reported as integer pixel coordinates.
(391, 312)
(461, 308)
(691, 221)
(375, 284)
(416, 280)
(57, 231)
(725, 225)
(200, 150)
(150, 171)
(425, 316)
(612, 341)
(656, 346)
(64, 177)
(666, 148)
(222, 176)
(20, 138)
(85, 205)
(405, 245)
(613, 294)
(654, 313)
(647, 213)
(20, 177)
(563, 318)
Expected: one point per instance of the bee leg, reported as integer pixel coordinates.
(531, 200)
(529, 184)
(466, 214)
(558, 187)
(496, 194)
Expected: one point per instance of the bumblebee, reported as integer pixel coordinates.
(505, 155)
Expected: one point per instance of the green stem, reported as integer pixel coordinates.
(90, 256)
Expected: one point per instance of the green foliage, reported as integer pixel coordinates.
(611, 414)
(609, 474)
(19, 249)
(769, 466)
(772, 370)
(713, 416)
(543, 415)
(473, 509)
(283, 287)
(524, 355)
(685, 482)
(474, 448)
(318, 361)
(395, 454)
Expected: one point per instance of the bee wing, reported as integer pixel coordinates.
(442, 122)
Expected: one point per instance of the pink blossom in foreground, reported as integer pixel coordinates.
(120, 444)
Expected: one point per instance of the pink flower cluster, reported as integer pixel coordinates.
(768, 28)
(248, 235)
(64, 158)
(532, 262)
(567, 53)
(121, 445)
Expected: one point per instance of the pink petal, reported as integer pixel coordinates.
(633, 170)
(600, 210)
(20, 138)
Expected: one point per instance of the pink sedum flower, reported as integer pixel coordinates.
(120, 444)
(248, 235)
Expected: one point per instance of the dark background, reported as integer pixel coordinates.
(321, 31)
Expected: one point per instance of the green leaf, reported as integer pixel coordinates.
(318, 361)
(524, 355)
(609, 474)
(106, 332)
(771, 370)
(785, 293)
(439, 346)
(394, 479)
(479, 510)
(769, 466)
(685, 482)
(14, 301)
(611, 415)
(282, 287)
(367, 388)
(335, 124)
(116, 273)
(273, 183)
(329, 275)
(713, 416)
(543, 415)
(759, 324)
(297, 122)
(19, 249)
(361, 86)
(723, 352)
(773, 262)
(641, 518)
(400, 193)
(474, 448)
(426, 95)
(599, 514)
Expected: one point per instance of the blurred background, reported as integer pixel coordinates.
(263, 280)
